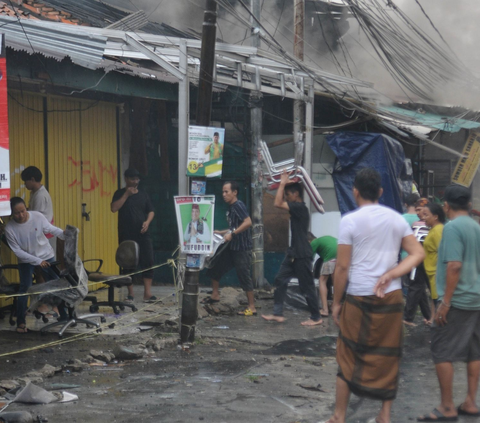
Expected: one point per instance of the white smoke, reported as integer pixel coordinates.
(456, 20)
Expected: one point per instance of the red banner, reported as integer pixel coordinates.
(4, 139)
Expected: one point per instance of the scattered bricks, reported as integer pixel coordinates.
(106, 356)
(16, 417)
(34, 376)
(9, 384)
(128, 353)
(74, 365)
(48, 370)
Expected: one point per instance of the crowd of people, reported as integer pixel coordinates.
(380, 257)
(31, 235)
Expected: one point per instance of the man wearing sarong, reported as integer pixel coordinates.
(456, 328)
(369, 344)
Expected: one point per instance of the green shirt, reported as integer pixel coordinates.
(461, 242)
(325, 247)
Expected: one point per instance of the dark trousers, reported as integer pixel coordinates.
(25, 271)
(300, 268)
(417, 295)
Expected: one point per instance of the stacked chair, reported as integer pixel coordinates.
(296, 173)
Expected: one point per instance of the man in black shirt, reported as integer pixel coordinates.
(135, 213)
(298, 260)
(238, 254)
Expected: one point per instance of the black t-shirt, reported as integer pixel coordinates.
(299, 220)
(132, 214)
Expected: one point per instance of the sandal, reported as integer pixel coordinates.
(439, 417)
(247, 312)
(152, 299)
(22, 329)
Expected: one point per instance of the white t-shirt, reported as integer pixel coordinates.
(27, 240)
(41, 201)
(375, 233)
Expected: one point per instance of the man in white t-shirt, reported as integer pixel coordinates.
(40, 199)
(370, 319)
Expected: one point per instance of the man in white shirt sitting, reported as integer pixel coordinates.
(25, 234)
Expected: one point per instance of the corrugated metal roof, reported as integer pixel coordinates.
(235, 65)
(54, 40)
(431, 120)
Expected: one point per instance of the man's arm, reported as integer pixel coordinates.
(147, 222)
(454, 268)
(247, 223)
(118, 204)
(416, 255)
(279, 202)
(344, 258)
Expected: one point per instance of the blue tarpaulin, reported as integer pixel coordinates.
(357, 150)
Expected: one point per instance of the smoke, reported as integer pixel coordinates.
(340, 46)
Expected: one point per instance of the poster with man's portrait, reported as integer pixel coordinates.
(195, 223)
(205, 151)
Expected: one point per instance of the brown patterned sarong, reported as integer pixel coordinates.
(369, 345)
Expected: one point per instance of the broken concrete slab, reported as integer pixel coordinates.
(160, 344)
(74, 365)
(16, 417)
(122, 352)
(105, 356)
(49, 371)
(9, 384)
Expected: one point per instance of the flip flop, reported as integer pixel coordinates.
(440, 417)
(152, 299)
(462, 412)
(209, 300)
(247, 312)
(22, 329)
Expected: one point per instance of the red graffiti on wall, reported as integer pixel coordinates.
(89, 179)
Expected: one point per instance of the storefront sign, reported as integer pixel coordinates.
(205, 151)
(195, 223)
(467, 166)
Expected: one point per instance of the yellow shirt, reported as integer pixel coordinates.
(431, 243)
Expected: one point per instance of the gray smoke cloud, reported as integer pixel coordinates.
(457, 21)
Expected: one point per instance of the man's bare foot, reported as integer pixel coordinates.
(323, 313)
(333, 419)
(311, 322)
(273, 318)
(406, 322)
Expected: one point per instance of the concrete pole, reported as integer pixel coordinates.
(307, 159)
(255, 165)
(191, 284)
(299, 105)
(183, 121)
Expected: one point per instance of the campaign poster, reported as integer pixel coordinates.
(4, 139)
(195, 223)
(205, 151)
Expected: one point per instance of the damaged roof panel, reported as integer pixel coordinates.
(431, 120)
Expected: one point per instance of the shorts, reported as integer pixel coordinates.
(328, 267)
(229, 259)
(145, 259)
(459, 339)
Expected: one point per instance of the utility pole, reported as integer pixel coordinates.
(204, 107)
(255, 103)
(299, 105)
